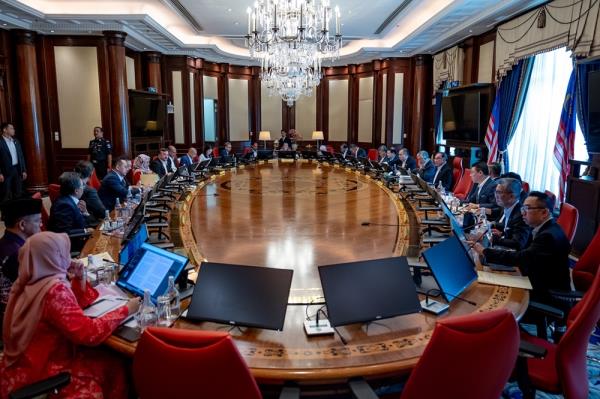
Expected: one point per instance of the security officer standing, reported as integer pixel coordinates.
(100, 153)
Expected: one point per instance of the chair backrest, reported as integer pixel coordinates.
(568, 218)
(552, 196)
(136, 176)
(173, 363)
(53, 192)
(94, 181)
(587, 266)
(457, 171)
(463, 186)
(216, 151)
(45, 215)
(470, 356)
(373, 154)
(571, 359)
(525, 187)
(330, 149)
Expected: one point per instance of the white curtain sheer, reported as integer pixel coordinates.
(531, 149)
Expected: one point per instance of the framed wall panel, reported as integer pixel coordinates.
(306, 115)
(398, 102)
(486, 61)
(338, 110)
(78, 94)
(365, 109)
(270, 112)
(238, 110)
(383, 105)
(192, 109)
(178, 103)
(130, 70)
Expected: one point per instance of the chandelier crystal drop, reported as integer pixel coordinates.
(290, 38)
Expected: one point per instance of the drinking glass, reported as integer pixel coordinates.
(163, 305)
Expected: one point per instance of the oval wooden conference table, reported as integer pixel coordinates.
(298, 215)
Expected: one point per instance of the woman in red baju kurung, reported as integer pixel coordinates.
(46, 332)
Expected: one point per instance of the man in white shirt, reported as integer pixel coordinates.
(173, 157)
(12, 164)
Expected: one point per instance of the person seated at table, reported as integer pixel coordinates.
(94, 206)
(382, 155)
(162, 164)
(323, 150)
(284, 139)
(545, 259)
(46, 332)
(357, 152)
(495, 169)
(344, 150)
(252, 151)
(207, 154)
(406, 161)
(226, 150)
(115, 186)
(426, 169)
(173, 158)
(510, 230)
(482, 195)
(68, 213)
(285, 147)
(294, 147)
(188, 159)
(443, 171)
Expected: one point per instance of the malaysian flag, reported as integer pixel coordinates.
(564, 147)
(491, 135)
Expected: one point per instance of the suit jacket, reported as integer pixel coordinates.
(6, 159)
(157, 167)
(223, 153)
(112, 188)
(360, 153)
(409, 164)
(186, 160)
(65, 217)
(427, 172)
(10, 244)
(93, 203)
(445, 176)
(516, 233)
(545, 260)
(487, 197)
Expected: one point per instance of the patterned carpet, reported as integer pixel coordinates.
(593, 373)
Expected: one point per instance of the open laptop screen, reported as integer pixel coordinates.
(149, 269)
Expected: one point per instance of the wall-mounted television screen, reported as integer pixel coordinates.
(466, 112)
(147, 113)
(593, 139)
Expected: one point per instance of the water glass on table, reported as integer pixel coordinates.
(163, 304)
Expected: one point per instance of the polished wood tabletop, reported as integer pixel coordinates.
(299, 215)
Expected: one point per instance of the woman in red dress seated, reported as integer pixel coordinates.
(46, 332)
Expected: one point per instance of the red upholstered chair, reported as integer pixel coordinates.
(525, 187)
(568, 218)
(136, 176)
(564, 368)
(216, 152)
(587, 266)
(468, 357)
(172, 363)
(330, 149)
(373, 154)
(53, 192)
(552, 196)
(464, 185)
(457, 171)
(94, 181)
(246, 151)
(45, 214)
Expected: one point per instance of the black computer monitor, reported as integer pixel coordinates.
(451, 266)
(241, 295)
(286, 154)
(265, 154)
(368, 290)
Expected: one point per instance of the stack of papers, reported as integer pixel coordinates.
(505, 280)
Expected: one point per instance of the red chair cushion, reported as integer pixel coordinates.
(373, 154)
(53, 192)
(457, 171)
(94, 181)
(543, 372)
(45, 215)
(587, 266)
(568, 218)
(463, 187)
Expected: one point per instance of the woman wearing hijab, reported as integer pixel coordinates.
(141, 165)
(45, 331)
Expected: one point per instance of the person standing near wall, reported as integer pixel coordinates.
(100, 152)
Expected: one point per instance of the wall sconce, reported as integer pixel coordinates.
(170, 108)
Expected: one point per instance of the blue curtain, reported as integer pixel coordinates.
(511, 94)
(581, 93)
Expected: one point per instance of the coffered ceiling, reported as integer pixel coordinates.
(215, 29)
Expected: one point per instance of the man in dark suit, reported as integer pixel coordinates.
(382, 155)
(188, 158)
(12, 164)
(426, 169)
(90, 197)
(357, 152)
(115, 186)
(510, 230)
(443, 171)
(162, 164)
(284, 139)
(483, 193)
(344, 150)
(226, 150)
(406, 161)
(67, 213)
(545, 260)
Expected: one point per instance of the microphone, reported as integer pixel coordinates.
(427, 295)
(379, 224)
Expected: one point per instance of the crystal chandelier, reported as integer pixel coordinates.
(290, 37)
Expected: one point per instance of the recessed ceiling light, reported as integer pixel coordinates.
(51, 31)
(145, 48)
(236, 23)
(229, 9)
(470, 30)
(4, 24)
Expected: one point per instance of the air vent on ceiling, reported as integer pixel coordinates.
(392, 16)
(186, 14)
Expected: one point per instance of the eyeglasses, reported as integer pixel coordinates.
(526, 208)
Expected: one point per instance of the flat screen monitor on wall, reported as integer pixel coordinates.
(147, 113)
(593, 140)
(465, 114)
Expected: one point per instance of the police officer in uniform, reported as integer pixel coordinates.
(100, 152)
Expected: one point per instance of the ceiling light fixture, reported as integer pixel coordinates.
(290, 38)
